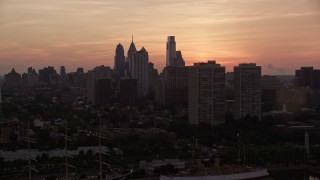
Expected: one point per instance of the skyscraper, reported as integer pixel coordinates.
(32, 77)
(307, 77)
(173, 89)
(128, 90)
(63, 72)
(119, 60)
(91, 77)
(12, 80)
(247, 90)
(46, 74)
(171, 51)
(206, 104)
(132, 49)
(139, 63)
(103, 91)
(178, 61)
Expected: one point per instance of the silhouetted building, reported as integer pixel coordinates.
(247, 90)
(315, 79)
(307, 77)
(12, 80)
(270, 85)
(99, 72)
(307, 82)
(103, 72)
(103, 91)
(32, 78)
(63, 72)
(139, 64)
(178, 61)
(91, 77)
(128, 90)
(174, 86)
(132, 49)
(206, 93)
(229, 91)
(46, 75)
(171, 51)
(153, 79)
(76, 79)
(119, 60)
(24, 81)
(303, 97)
(229, 85)
(80, 70)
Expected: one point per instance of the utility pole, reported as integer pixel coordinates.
(100, 150)
(239, 150)
(100, 136)
(307, 144)
(29, 156)
(66, 139)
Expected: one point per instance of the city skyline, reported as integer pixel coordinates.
(84, 34)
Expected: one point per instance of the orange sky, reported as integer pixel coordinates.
(280, 35)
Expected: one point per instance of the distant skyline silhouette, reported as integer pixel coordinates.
(280, 36)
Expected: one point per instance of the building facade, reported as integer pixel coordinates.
(170, 51)
(132, 49)
(12, 80)
(128, 90)
(206, 89)
(119, 60)
(247, 90)
(140, 71)
(175, 86)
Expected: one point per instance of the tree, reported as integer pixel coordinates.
(89, 152)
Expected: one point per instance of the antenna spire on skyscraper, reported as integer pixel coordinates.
(132, 38)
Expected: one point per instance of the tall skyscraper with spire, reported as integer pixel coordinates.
(131, 51)
(171, 51)
(119, 60)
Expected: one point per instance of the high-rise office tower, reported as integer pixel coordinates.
(32, 77)
(132, 49)
(206, 93)
(139, 63)
(171, 51)
(103, 91)
(128, 90)
(24, 82)
(119, 60)
(307, 77)
(12, 80)
(178, 61)
(173, 86)
(80, 70)
(91, 77)
(46, 74)
(247, 90)
(63, 72)
(153, 77)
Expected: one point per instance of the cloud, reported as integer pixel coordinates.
(81, 31)
(270, 69)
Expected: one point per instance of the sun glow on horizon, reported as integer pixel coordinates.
(84, 33)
